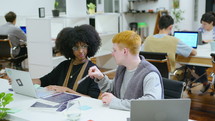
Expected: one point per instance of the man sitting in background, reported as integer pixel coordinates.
(16, 36)
(163, 42)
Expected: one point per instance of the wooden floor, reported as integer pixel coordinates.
(202, 105)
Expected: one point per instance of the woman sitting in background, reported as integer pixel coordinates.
(208, 29)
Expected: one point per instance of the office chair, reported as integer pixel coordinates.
(213, 75)
(159, 60)
(6, 55)
(173, 88)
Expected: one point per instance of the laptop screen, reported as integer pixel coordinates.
(23, 28)
(188, 37)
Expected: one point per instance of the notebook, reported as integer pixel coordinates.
(191, 38)
(22, 84)
(160, 110)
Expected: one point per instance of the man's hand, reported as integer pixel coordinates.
(107, 97)
(94, 72)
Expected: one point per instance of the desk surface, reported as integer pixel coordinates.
(98, 111)
(202, 58)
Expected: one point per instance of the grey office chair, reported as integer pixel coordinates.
(173, 88)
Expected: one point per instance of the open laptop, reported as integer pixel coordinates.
(191, 38)
(23, 84)
(23, 28)
(160, 110)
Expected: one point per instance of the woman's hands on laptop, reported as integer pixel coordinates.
(58, 88)
(63, 89)
(9, 80)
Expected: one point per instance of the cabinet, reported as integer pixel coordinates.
(107, 25)
(43, 31)
(40, 36)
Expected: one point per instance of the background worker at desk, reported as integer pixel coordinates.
(207, 29)
(136, 78)
(16, 36)
(208, 34)
(76, 44)
(163, 42)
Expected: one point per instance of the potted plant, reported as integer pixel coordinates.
(91, 8)
(55, 12)
(4, 100)
(177, 13)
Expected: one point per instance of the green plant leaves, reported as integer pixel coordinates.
(2, 114)
(91, 6)
(4, 100)
(2, 95)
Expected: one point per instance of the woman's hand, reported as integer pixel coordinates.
(8, 78)
(58, 88)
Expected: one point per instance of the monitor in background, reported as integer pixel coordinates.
(23, 28)
(191, 38)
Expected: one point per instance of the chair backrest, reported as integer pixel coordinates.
(159, 60)
(173, 88)
(3, 36)
(5, 48)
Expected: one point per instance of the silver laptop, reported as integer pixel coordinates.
(23, 84)
(160, 110)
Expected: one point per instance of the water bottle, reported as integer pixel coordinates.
(143, 30)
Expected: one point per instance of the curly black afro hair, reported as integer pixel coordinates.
(69, 37)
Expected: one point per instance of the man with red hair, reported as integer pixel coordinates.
(136, 79)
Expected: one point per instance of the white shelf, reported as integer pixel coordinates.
(40, 42)
(103, 14)
(43, 31)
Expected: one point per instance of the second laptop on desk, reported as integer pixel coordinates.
(160, 110)
(23, 84)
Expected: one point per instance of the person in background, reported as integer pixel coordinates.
(17, 38)
(208, 34)
(136, 78)
(77, 45)
(163, 42)
(207, 29)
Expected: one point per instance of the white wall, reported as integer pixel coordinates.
(24, 8)
(188, 7)
(28, 8)
(201, 11)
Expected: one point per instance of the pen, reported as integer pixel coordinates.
(10, 89)
(106, 72)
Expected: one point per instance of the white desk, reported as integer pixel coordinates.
(98, 111)
(202, 58)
